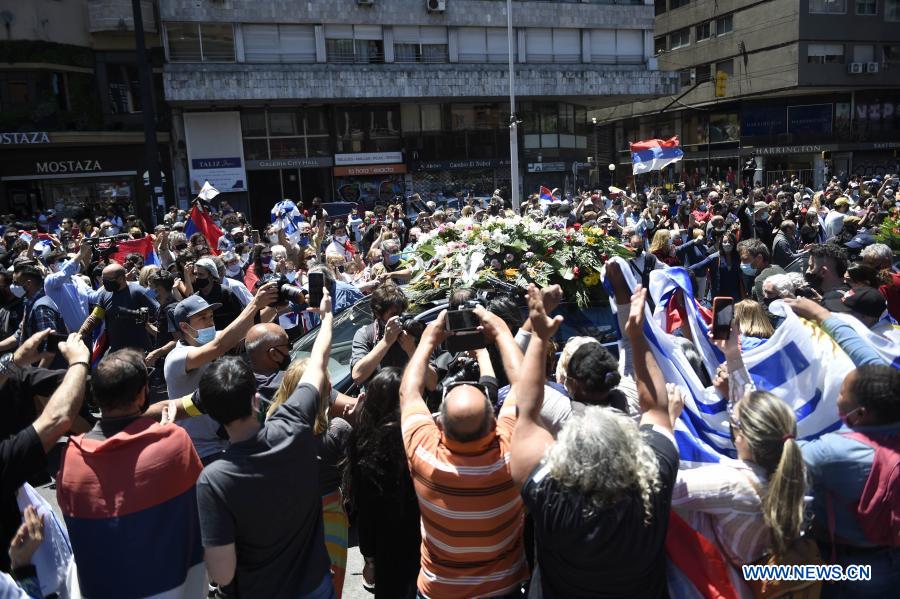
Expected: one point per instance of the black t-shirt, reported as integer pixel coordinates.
(21, 457)
(331, 447)
(231, 305)
(122, 329)
(587, 552)
(165, 323)
(262, 496)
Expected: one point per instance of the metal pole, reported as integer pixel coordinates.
(147, 108)
(513, 124)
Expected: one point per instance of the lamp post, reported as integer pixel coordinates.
(513, 120)
(612, 173)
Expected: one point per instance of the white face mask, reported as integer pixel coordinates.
(233, 271)
(17, 290)
(245, 257)
(341, 240)
(273, 239)
(291, 276)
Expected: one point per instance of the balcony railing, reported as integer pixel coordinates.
(116, 15)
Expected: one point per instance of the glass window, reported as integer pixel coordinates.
(680, 38)
(726, 66)
(603, 46)
(361, 44)
(253, 123)
(892, 54)
(217, 42)
(724, 24)
(316, 120)
(283, 122)
(673, 4)
(256, 149)
(279, 43)
(827, 6)
(200, 42)
(892, 10)
(431, 117)
(659, 44)
(566, 45)
(659, 7)
(498, 44)
(630, 46)
(124, 89)
(567, 118)
(420, 44)
(539, 45)
(288, 147)
(684, 77)
(867, 7)
(184, 42)
(549, 118)
(703, 73)
(704, 31)
(825, 53)
(864, 53)
(410, 120)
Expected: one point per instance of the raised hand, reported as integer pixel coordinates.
(542, 325)
(28, 538)
(635, 324)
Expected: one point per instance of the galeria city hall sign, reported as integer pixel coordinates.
(27, 138)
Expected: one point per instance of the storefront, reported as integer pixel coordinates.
(75, 181)
(438, 179)
(369, 178)
(298, 179)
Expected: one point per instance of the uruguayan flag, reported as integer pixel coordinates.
(800, 364)
(286, 214)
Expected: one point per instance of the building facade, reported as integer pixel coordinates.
(808, 89)
(71, 127)
(365, 100)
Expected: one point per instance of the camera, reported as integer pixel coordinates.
(462, 369)
(411, 326)
(462, 325)
(288, 292)
(139, 316)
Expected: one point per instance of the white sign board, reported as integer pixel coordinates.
(215, 150)
(368, 158)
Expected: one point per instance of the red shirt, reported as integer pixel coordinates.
(892, 294)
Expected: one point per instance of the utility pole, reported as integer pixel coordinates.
(513, 120)
(157, 199)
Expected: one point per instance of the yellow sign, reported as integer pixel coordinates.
(721, 83)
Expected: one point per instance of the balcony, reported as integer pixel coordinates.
(217, 83)
(115, 16)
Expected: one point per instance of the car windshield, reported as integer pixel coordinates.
(594, 321)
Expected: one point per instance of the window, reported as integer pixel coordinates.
(622, 46)
(724, 24)
(539, 45)
(603, 46)
(892, 54)
(828, 7)
(200, 42)
(659, 7)
(864, 53)
(704, 31)
(684, 77)
(892, 10)
(867, 8)
(361, 44)
(726, 66)
(629, 46)
(825, 53)
(673, 4)
(284, 133)
(483, 44)
(703, 73)
(124, 89)
(566, 45)
(420, 44)
(659, 44)
(279, 43)
(680, 38)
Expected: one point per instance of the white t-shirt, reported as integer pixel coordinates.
(180, 382)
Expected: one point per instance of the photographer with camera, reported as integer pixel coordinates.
(126, 308)
(207, 284)
(41, 313)
(389, 340)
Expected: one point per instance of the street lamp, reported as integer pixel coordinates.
(612, 173)
(513, 120)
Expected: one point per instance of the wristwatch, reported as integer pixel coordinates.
(8, 365)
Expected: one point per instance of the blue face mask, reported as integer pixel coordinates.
(393, 259)
(748, 269)
(206, 335)
(304, 241)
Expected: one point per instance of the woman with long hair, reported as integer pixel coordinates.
(752, 506)
(262, 264)
(662, 247)
(755, 325)
(381, 492)
(725, 273)
(331, 436)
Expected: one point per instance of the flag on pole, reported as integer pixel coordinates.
(207, 192)
(547, 195)
(142, 246)
(199, 222)
(654, 154)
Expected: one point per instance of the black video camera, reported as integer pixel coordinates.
(287, 291)
(140, 316)
(411, 326)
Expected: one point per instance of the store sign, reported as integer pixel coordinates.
(369, 170)
(807, 149)
(54, 167)
(368, 158)
(812, 118)
(266, 165)
(28, 138)
(216, 150)
(546, 167)
(451, 165)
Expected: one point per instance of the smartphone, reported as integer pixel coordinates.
(254, 235)
(723, 314)
(316, 284)
(53, 341)
(462, 320)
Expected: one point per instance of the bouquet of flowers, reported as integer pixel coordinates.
(515, 250)
(889, 232)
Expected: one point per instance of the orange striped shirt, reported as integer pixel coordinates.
(471, 509)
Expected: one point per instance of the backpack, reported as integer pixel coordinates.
(878, 510)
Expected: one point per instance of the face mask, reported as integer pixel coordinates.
(273, 239)
(284, 361)
(17, 290)
(304, 241)
(393, 259)
(110, 231)
(844, 417)
(245, 257)
(267, 262)
(727, 247)
(291, 276)
(202, 282)
(206, 335)
(233, 271)
(111, 286)
(748, 269)
(703, 207)
(813, 278)
(341, 240)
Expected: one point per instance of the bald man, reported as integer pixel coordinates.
(118, 304)
(269, 353)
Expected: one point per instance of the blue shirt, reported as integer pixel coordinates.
(71, 295)
(839, 466)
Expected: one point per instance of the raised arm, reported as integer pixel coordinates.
(316, 373)
(651, 384)
(530, 438)
(414, 377)
(59, 413)
(496, 331)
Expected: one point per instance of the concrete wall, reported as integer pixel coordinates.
(116, 15)
(211, 83)
(480, 13)
(60, 21)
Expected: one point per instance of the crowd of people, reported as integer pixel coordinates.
(194, 456)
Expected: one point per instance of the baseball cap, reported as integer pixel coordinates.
(209, 265)
(868, 301)
(191, 306)
(758, 206)
(842, 201)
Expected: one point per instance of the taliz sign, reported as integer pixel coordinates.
(30, 137)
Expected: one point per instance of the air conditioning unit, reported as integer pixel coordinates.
(872, 67)
(855, 68)
(436, 5)
(365, 2)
